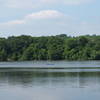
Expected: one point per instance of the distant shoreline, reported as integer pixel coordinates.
(53, 48)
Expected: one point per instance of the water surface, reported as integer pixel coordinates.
(50, 80)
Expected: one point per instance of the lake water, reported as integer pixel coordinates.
(50, 80)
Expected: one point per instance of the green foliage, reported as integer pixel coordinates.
(57, 47)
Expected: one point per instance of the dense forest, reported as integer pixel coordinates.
(59, 47)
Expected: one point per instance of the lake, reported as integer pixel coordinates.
(50, 80)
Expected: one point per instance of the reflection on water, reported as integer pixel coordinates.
(39, 78)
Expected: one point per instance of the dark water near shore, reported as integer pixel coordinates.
(56, 80)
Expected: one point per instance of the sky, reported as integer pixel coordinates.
(49, 17)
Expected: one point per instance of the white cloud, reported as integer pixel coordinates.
(76, 2)
(19, 3)
(45, 14)
(66, 2)
(11, 23)
(39, 3)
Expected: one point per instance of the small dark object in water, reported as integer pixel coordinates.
(50, 64)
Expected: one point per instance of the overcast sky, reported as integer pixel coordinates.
(49, 17)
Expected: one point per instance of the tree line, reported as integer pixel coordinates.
(59, 47)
